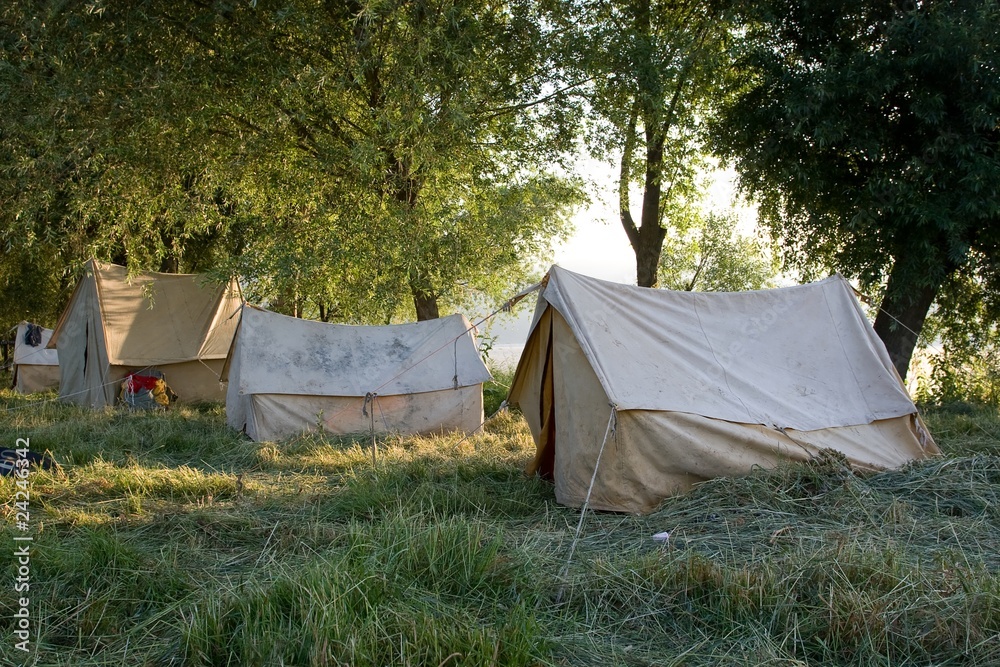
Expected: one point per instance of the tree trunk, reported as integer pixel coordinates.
(647, 255)
(646, 239)
(325, 313)
(170, 264)
(651, 234)
(901, 316)
(425, 304)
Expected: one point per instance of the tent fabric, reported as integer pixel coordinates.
(162, 318)
(287, 375)
(800, 357)
(35, 367)
(277, 416)
(115, 323)
(703, 385)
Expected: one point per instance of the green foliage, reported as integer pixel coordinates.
(420, 132)
(344, 157)
(33, 288)
(956, 378)
(711, 255)
(892, 134)
(962, 350)
(869, 133)
(496, 390)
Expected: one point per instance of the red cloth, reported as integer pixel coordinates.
(136, 382)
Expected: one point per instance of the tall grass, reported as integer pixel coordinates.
(168, 539)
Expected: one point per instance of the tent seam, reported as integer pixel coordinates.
(840, 340)
(725, 373)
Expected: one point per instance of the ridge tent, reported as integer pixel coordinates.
(287, 375)
(690, 386)
(36, 367)
(179, 324)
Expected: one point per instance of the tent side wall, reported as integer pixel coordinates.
(192, 381)
(287, 376)
(30, 378)
(276, 416)
(670, 452)
(35, 368)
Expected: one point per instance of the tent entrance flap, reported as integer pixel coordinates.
(543, 419)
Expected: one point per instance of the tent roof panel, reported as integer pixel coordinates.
(286, 355)
(801, 357)
(160, 318)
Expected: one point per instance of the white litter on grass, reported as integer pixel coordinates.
(661, 537)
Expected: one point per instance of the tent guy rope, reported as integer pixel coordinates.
(609, 431)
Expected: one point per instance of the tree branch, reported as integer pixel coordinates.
(500, 111)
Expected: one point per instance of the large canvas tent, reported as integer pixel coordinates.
(179, 324)
(665, 389)
(288, 375)
(36, 367)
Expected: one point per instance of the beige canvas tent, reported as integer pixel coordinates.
(36, 367)
(691, 386)
(288, 375)
(179, 324)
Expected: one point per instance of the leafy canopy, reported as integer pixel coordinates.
(340, 155)
(869, 133)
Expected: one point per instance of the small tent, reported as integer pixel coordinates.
(658, 390)
(179, 324)
(287, 375)
(36, 367)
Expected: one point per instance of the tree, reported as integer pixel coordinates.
(869, 132)
(652, 66)
(93, 158)
(404, 112)
(340, 155)
(31, 289)
(709, 255)
(961, 342)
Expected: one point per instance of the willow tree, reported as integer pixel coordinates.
(96, 157)
(870, 132)
(344, 153)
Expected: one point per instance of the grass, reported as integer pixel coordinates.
(168, 539)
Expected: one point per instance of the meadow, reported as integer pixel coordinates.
(169, 539)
